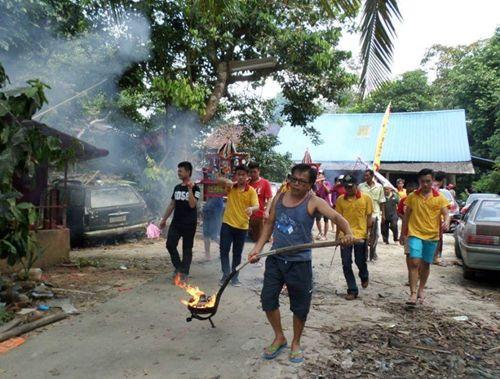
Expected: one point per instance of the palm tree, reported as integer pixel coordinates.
(377, 34)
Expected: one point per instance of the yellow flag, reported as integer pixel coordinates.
(381, 138)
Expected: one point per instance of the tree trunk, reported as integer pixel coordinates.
(217, 93)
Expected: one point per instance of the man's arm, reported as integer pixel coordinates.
(445, 212)
(404, 227)
(254, 203)
(167, 214)
(382, 202)
(191, 197)
(321, 206)
(267, 231)
(226, 183)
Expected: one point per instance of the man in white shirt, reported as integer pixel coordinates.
(376, 191)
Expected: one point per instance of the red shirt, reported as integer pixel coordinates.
(338, 190)
(401, 207)
(264, 193)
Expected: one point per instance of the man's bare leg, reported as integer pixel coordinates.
(318, 225)
(206, 241)
(414, 265)
(425, 269)
(298, 327)
(326, 227)
(274, 318)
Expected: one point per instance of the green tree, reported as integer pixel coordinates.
(472, 82)
(409, 93)
(21, 151)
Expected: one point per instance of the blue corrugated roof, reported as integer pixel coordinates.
(437, 136)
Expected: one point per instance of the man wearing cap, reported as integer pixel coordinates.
(376, 192)
(357, 209)
(391, 215)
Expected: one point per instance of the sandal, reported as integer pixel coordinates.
(272, 351)
(296, 356)
(410, 302)
(420, 299)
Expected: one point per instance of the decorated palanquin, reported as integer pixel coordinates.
(221, 162)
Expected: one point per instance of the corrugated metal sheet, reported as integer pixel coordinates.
(438, 136)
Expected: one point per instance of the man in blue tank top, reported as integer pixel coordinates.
(290, 222)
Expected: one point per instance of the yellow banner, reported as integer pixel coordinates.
(381, 138)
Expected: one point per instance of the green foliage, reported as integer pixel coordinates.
(190, 41)
(273, 166)
(490, 182)
(23, 23)
(472, 82)
(21, 150)
(5, 316)
(180, 93)
(410, 93)
(256, 115)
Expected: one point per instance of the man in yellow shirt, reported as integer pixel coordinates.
(357, 209)
(242, 201)
(421, 227)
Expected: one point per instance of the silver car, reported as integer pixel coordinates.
(477, 237)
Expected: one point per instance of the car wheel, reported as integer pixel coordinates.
(458, 253)
(468, 273)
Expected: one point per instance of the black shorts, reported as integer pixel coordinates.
(320, 216)
(298, 278)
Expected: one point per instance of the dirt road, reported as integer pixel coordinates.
(143, 331)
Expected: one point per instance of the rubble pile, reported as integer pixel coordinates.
(421, 343)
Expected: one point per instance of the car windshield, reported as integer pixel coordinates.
(489, 211)
(113, 196)
(476, 196)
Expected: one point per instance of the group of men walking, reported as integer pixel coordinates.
(289, 218)
(245, 213)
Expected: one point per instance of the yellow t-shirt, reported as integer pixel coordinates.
(237, 202)
(355, 210)
(425, 217)
(402, 194)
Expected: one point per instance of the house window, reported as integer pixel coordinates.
(363, 131)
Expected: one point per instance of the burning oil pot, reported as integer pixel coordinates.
(203, 307)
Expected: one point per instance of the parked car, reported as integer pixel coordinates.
(102, 209)
(453, 207)
(477, 237)
(475, 196)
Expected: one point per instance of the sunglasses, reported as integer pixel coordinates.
(293, 179)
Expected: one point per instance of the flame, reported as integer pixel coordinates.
(198, 298)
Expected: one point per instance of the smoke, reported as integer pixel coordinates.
(72, 65)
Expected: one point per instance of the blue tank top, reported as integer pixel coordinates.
(293, 226)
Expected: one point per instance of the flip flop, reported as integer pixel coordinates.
(420, 299)
(411, 303)
(296, 356)
(272, 351)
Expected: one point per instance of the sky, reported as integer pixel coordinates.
(429, 22)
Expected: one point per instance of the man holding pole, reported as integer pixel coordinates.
(376, 192)
(242, 201)
(291, 219)
(357, 209)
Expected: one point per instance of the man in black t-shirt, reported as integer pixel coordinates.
(183, 225)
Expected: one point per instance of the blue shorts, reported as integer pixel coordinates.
(422, 249)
